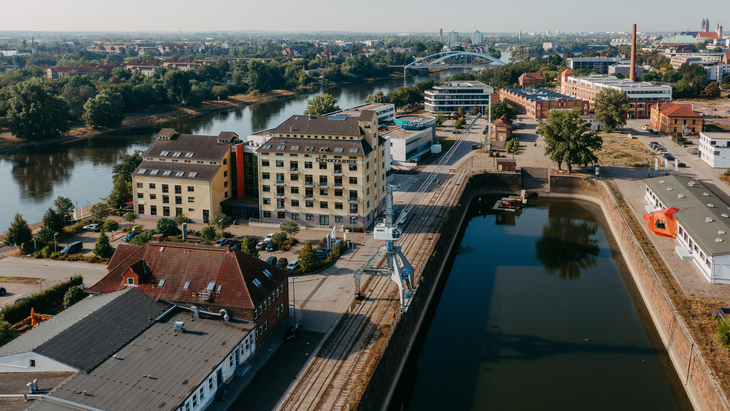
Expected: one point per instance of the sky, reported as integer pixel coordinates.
(391, 16)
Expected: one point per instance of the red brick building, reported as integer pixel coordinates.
(501, 132)
(208, 277)
(531, 79)
(537, 103)
(671, 118)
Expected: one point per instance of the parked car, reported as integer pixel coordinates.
(282, 262)
(294, 330)
(130, 236)
(271, 260)
(474, 146)
(2, 291)
(137, 229)
(72, 248)
(654, 132)
(221, 242)
(268, 237)
(669, 157)
(92, 227)
(456, 132)
(681, 165)
(235, 244)
(644, 128)
(270, 247)
(260, 246)
(292, 265)
(321, 254)
(653, 143)
(517, 126)
(22, 297)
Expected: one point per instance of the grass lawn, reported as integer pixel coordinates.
(446, 143)
(717, 128)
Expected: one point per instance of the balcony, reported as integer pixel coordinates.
(321, 184)
(280, 182)
(309, 196)
(294, 169)
(338, 184)
(353, 199)
(308, 183)
(280, 195)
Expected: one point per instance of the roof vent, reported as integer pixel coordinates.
(180, 325)
(680, 195)
(662, 181)
(720, 232)
(691, 184)
(706, 194)
(710, 205)
(718, 240)
(708, 219)
(669, 188)
(724, 215)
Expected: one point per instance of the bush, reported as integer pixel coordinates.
(142, 238)
(72, 296)
(167, 227)
(723, 329)
(41, 302)
(208, 233)
(7, 333)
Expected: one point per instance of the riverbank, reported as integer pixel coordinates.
(154, 115)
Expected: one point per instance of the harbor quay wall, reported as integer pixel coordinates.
(701, 387)
(384, 378)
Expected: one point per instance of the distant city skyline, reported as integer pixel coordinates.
(378, 16)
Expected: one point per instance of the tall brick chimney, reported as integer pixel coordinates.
(632, 74)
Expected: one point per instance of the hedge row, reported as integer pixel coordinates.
(43, 302)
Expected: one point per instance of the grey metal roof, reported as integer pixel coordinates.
(190, 171)
(327, 125)
(694, 210)
(178, 363)
(314, 146)
(90, 331)
(201, 147)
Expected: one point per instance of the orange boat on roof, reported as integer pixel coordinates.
(662, 222)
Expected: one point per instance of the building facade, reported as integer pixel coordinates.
(670, 118)
(537, 103)
(410, 138)
(598, 64)
(323, 170)
(531, 80)
(184, 174)
(453, 38)
(450, 96)
(477, 38)
(715, 149)
(641, 95)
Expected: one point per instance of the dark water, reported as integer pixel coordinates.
(30, 180)
(538, 313)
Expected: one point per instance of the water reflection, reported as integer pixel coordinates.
(567, 245)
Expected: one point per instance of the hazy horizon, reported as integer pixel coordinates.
(375, 17)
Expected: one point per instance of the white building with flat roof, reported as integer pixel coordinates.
(454, 94)
(715, 149)
(411, 138)
(385, 111)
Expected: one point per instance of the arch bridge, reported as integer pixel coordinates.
(452, 59)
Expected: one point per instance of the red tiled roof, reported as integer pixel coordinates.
(671, 109)
(707, 35)
(534, 76)
(178, 264)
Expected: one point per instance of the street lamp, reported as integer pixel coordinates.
(35, 244)
(40, 282)
(294, 296)
(55, 246)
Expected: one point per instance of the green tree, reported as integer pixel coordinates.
(611, 107)
(103, 248)
(104, 110)
(249, 247)
(712, 90)
(459, 123)
(34, 112)
(500, 109)
(53, 220)
(440, 118)
(377, 97)
(568, 138)
(7, 333)
(208, 233)
(167, 227)
(290, 228)
(19, 232)
(221, 221)
(76, 97)
(72, 296)
(142, 238)
(100, 211)
(127, 166)
(45, 235)
(121, 193)
(110, 226)
(64, 206)
(177, 84)
(129, 218)
(321, 104)
(723, 331)
(307, 258)
(278, 238)
(650, 76)
(181, 219)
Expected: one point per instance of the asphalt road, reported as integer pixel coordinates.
(272, 382)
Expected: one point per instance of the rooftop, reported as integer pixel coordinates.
(462, 84)
(177, 361)
(316, 146)
(679, 40)
(539, 94)
(671, 109)
(173, 145)
(327, 125)
(694, 209)
(90, 331)
(187, 171)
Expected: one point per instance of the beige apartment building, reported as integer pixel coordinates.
(323, 170)
(184, 174)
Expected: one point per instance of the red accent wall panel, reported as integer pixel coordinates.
(239, 171)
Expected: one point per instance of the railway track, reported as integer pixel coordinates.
(336, 378)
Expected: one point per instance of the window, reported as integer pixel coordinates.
(295, 216)
(308, 192)
(202, 396)
(225, 173)
(266, 189)
(267, 214)
(225, 184)
(140, 195)
(338, 181)
(310, 217)
(265, 176)
(187, 406)
(225, 161)
(323, 180)
(353, 220)
(353, 167)
(279, 163)
(293, 166)
(153, 196)
(264, 163)
(210, 383)
(324, 220)
(153, 210)
(165, 211)
(295, 190)
(353, 180)
(307, 164)
(191, 189)
(195, 400)
(178, 189)
(294, 177)
(165, 188)
(322, 204)
(338, 193)
(32, 363)
(178, 199)
(166, 199)
(267, 201)
(191, 199)
(140, 185)
(152, 186)
(140, 209)
(309, 204)
(280, 191)
(280, 204)
(353, 208)
(279, 178)
(338, 206)
(295, 203)
(281, 215)
(338, 219)
(323, 191)
(323, 166)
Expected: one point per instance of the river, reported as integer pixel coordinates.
(538, 312)
(81, 170)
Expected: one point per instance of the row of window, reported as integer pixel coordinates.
(323, 219)
(294, 165)
(166, 199)
(268, 301)
(165, 210)
(281, 204)
(166, 188)
(309, 179)
(309, 192)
